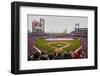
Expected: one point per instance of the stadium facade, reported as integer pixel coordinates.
(79, 32)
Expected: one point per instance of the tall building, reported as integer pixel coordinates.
(38, 26)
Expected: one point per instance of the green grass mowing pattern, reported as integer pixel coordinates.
(74, 45)
(42, 44)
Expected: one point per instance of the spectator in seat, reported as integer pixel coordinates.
(44, 56)
(50, 56)
(30, 58)
(67, 55)
(58, 56)
(76, 55)
(36, 56)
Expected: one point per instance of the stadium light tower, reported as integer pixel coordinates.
(77, 26)
(42, 21)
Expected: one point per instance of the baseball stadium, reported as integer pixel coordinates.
(54, 46)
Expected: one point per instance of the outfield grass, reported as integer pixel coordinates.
(42, 44)
(73, 46)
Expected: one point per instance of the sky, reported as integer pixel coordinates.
(58, 24)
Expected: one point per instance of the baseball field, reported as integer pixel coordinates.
(57, 45)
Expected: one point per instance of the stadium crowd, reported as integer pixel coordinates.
(33, 54)
(49, 56)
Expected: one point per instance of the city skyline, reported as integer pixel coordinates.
(58, 24)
